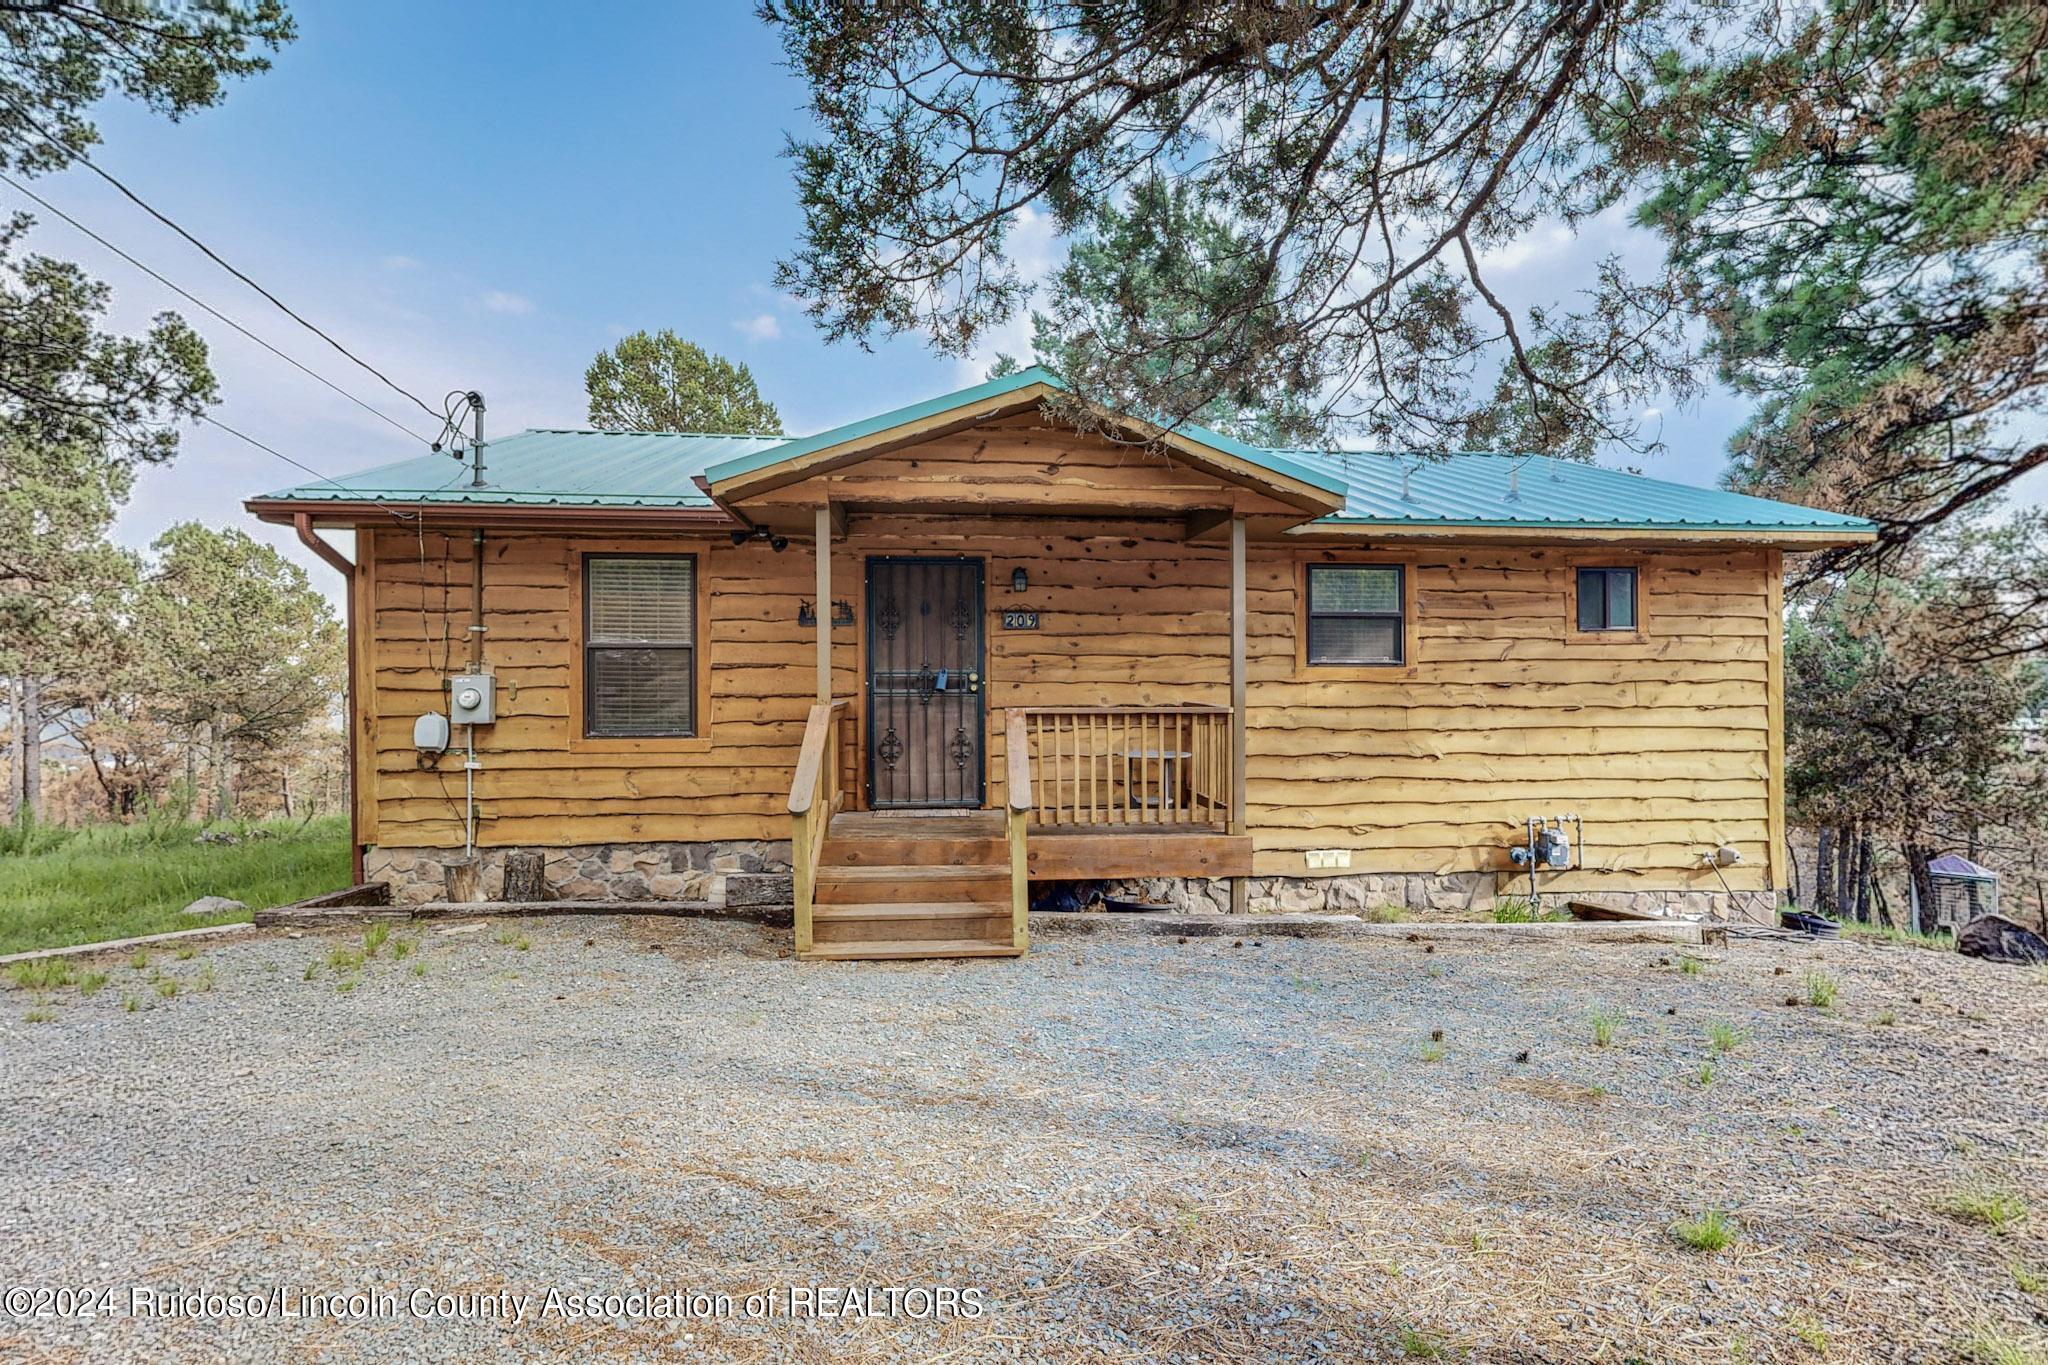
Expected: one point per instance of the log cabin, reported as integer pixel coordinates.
(911, 672)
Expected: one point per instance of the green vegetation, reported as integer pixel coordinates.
(374, 938)
(1987, 1344)
(1887, 1018)
(1706, 1074)
(1711, 1231)
(1811, 1332)
(1432, 1052)
(1980, 1201)
(41, 1014)
(119, 881)
(1691, 966)
(1522, 910)
(1725, 1037)
(1606, 1023)
(43, 974)
(89, 983)
(2029, 1280)
(1821, 990)
(1885, 933)
(167, 986)
(1417, 1344)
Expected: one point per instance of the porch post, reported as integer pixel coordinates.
(824, 612)
(1239, 887)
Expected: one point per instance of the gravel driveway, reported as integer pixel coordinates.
(1131, 1148)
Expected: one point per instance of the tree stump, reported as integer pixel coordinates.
(465, 881)
(525, 877)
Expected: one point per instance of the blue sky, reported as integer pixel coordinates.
(484, 196)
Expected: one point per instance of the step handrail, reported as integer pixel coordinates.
(815, 794)
(1017, 825)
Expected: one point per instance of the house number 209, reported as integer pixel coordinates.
(1020, 620)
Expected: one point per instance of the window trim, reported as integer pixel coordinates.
(1635, 599)
(577, 722)
(1403, 618)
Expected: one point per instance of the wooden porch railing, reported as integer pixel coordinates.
(826, 770)
(1126, 765)
(1016, 827)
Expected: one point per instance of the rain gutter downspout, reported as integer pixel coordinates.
(302, 522)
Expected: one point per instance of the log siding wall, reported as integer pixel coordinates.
(1662, 739)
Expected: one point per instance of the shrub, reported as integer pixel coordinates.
(1821, 990)
(1711, 1231)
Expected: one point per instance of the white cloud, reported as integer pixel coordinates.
(760, 327)
(1036, 249)
(499, 301)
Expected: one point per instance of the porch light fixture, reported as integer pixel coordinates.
(777, 543)
(1019, 580)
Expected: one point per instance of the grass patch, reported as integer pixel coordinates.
(1887, 1018)
(89, 983)
(131, 1002)
(205, 981)
(139, 960)
(343, 958)
(1725, 1037)
(1711, 1231)
(120, 881)
(43, 974)
(344, 988)
(2029, 1280)
(41, 1014)
(419, 968)
(1522, 910)
(1809, 1331)
(1432, 1052)
(1384, 914)
(1821, 990)
(185, 954)
(1986, 1344)
(1416, 1344)
(375, 937)
(1884, 933)
(1706, 1074)
(167, 986)
(1691, 966)
(1606, 1026)
(402, 948)
(1980, 1201)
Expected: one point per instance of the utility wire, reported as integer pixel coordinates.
(214, 256)
(300, 464)
(198, 302)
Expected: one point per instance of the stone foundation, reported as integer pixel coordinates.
(1418, 895)
(597, 872)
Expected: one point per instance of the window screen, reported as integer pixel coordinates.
(639, 645)
(1607, 599)
(1355, 614)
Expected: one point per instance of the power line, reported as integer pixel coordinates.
(299, 464)
(215, 256)
(198, 302)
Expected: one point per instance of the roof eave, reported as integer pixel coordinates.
(1785, 537)
(351, 512)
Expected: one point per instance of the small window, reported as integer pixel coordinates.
(639, 645)
(1607, 599)
(1355, 614)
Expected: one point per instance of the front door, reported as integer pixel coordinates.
(924, 683)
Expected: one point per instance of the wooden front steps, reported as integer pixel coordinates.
(904, 886)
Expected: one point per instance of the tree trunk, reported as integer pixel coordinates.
(32, 746)
(1863, 877)
(1976, 852)
(1917, 856)
(1846, 895)
(222, 792)
(16, 747)
(1824, 898)
(284, 785)
(524, 876)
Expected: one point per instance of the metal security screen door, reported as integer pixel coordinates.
(924, 683)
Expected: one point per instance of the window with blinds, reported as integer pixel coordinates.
(639, 645)
(1356, 614)
(1607, 599)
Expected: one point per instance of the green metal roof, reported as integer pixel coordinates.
(581, 468)
(1482, 490)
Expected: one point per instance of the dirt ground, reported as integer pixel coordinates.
(1114, 1149)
